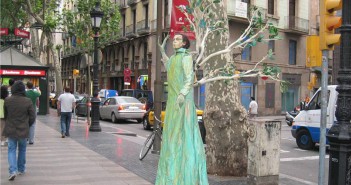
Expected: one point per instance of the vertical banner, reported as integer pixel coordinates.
(179, 22)
(4, 31)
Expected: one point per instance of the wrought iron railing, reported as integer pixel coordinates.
(142, 27)
(296, 23)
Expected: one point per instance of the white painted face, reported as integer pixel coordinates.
(178, 41)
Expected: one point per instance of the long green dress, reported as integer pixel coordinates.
(182, 159)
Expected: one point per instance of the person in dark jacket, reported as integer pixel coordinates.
(19, 115)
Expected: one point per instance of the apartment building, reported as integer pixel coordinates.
(136, 49)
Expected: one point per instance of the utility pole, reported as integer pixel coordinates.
(158, 83)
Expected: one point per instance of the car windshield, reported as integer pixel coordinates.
(127, 100)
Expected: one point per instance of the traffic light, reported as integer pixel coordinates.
(75, 72)
(313, 53)
(328, 23)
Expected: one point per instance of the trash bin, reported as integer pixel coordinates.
(263, 151)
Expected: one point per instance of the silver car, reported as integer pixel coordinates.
(122, 107)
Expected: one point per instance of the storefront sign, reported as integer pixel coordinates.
(179, 22)
(4, 31)
(14, 72)
(21, 33)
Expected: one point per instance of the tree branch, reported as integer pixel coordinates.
(162, 50)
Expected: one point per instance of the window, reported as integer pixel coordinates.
(270, 95)
(292, 52)
(112, 101)
(246, 54)
(271, 7)
(271, 45)
(316, 102)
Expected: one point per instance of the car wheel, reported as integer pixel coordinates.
(146, 125)
(113, 118)
(304, 140)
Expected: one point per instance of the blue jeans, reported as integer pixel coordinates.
(17, 164)
(65, 122)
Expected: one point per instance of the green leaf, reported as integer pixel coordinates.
(202, 23)
(216, 1)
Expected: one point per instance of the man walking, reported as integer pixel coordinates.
(253, 108)
(33, 95)
(66, 102)
(19, 115)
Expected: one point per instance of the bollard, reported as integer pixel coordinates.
(263, 151)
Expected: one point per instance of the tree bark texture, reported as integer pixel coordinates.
(225, 118)
(59, 88)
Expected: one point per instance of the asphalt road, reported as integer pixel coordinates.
(297, 164)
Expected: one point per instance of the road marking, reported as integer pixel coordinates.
(296, 179)
(287, 138)
(298, 149)
(284, 151)
(302, 158)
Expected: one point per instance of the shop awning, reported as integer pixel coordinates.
(12, 57)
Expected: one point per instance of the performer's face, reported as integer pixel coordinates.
(178, 41)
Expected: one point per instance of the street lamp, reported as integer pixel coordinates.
(96, 16)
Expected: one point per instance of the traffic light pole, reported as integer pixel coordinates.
(339, 135)
(323, 130)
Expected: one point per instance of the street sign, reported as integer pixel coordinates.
(126, 72)
(127, 79)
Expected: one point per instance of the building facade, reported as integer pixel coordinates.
(136, 49)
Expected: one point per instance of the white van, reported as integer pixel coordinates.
(306, 125)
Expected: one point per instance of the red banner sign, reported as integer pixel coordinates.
(14, 72)
(4, 31)
(22, 33)
(179, 22)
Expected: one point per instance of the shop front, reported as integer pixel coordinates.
(19, 66)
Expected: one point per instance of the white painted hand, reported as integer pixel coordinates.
(180, 101)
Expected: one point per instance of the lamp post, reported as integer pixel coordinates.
(96, 16)
(339, 135)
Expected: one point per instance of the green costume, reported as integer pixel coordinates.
(182, 159)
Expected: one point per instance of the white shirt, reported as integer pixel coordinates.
(66, 102)
(253, 105)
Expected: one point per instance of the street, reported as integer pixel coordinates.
(299, 165)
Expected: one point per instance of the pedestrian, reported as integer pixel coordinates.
(253, 108)
(32, 94)
(19, 115)
(66, 103)
(4, 94)
(182, 158)
(11, 82)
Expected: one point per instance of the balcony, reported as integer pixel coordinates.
(130, 31)
(297, 25)
(121, 35)
(143, 28)
(241, 13)
(153, 25)
(122, 4)
(132, 2)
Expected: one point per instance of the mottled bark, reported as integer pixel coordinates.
(57, 66)
(225, 118)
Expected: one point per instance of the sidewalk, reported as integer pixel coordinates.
(56, 160)
(93, 158)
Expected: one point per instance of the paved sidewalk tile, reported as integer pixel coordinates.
(56, 160)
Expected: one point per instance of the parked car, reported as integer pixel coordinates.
(83, 106)
(144, 96)
(53, 101)
(122, 107)
(289, 116)
(149, 120)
